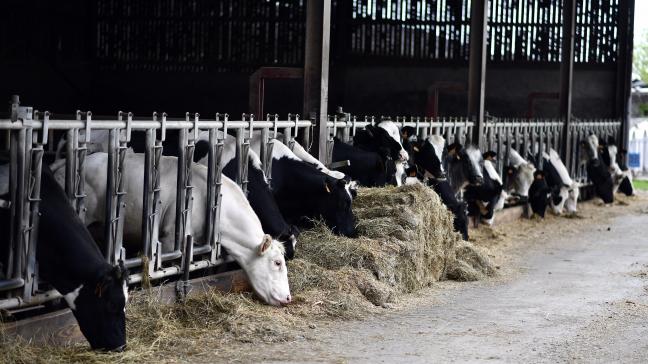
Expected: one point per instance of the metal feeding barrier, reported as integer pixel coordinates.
(29, 131)
(529, 137)
(453, 129)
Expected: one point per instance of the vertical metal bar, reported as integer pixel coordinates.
(31, 229)
(567, 70)
(149, 244)
(477, 66)
(214, 170)
(110, 198)
(180, 187)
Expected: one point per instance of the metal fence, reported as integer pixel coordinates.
(29, 131)
(530, 137)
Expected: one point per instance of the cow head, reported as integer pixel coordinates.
(376, 139)
(589, 148)
(429, 156)
(268, 274)
(395, 134)
(523, 178)
(289, 240)
(337, 212)
(559, 197)
(100, 310)
(465, 164)
(572, 198)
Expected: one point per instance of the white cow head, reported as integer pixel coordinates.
(268, 274)
(394, 132)
(572, 199)
(558, 201)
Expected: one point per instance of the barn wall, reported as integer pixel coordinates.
(403, 90)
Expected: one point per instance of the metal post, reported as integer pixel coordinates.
(477, 67)
(624, 69)
(316, 69)
(567, 73)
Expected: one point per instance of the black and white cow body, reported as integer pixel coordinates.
(259, 193)
(304, 193)
(539, 192)
(622, 178)
(519, 176)
(384, 140)
(71, 262)
(597, 171)
(487, 197)
(564, 190)
(366, 168)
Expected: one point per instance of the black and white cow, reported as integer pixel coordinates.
(261, 257)
(366, 168)
(538, 193)
(519, 176)
(487, 197)
(71, 262)
(564, 190)
(259, 193)
(464, 166)
(384, 139)
(304, 193)
(622, 178)
(597, 172)
(426, 158)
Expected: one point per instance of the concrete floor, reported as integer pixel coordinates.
(577, 299)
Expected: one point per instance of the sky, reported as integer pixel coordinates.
(641, 16)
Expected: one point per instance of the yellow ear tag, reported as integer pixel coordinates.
(416, 149)
(327, 188)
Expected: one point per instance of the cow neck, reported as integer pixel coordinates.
(241, 228)
(66, 252)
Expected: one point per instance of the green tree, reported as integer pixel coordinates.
(640, 56)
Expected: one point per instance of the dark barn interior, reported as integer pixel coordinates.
(406, 57)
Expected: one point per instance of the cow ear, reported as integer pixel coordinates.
(265, 244)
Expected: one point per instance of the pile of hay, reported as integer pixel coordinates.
(406, 243)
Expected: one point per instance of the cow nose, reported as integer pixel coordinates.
(288, 299)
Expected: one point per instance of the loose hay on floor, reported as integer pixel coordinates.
(406, 243)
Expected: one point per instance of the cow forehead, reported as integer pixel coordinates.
(391, 129)
(438, 143)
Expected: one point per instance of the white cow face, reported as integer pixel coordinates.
(394, 132)
(589, 148)
(268, 273)
(524, 179)
(572, 199)
(558, 202)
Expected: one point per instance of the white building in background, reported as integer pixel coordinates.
(638, 138)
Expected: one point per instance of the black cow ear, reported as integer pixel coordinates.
(369, 130)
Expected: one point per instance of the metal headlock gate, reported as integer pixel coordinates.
(28, 131)
(500, 135)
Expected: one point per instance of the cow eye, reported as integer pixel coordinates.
(277, 263)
